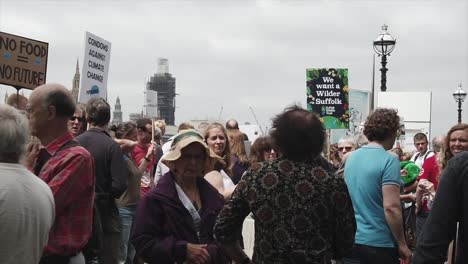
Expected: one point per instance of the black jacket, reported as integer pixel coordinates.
(450, 206)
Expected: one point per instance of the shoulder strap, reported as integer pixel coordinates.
(45, 156)
(427, 153)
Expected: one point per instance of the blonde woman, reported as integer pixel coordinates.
(217, 140)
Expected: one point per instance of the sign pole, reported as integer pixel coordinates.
(328, 145)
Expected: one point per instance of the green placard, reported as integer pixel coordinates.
(327, 95)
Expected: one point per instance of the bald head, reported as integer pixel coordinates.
(438, 143)
(55, 95)
(232, 124)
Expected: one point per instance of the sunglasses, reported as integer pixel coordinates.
(80, 119)
(343, 148)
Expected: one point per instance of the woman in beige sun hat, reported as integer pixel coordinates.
(174, 221)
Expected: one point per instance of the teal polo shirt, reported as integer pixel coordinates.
(366, 171)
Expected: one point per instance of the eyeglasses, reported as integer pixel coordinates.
(80, 119)
(343, 148)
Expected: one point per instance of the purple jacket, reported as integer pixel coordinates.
(163, 226)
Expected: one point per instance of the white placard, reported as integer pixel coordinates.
(151, 103)
(95, 68)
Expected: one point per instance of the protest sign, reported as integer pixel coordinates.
(23, 61)
(327, 95)
(95, 68)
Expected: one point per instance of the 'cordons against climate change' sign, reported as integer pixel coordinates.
(23, 61)
(327, 95)
(95, 68)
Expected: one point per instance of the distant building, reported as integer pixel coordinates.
(135, 116)
(117, 114)
(76, 83)
(164, 84)
(151, 104)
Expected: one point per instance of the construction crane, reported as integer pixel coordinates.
(220, 113)
(256, 120)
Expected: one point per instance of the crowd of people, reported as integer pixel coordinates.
(77, 190)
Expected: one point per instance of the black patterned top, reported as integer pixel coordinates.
(303, 213)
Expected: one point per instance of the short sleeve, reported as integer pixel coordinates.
(391, 172)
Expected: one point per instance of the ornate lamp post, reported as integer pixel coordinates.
(383, 46)
(459, 96)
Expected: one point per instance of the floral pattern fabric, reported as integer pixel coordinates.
(303, 213)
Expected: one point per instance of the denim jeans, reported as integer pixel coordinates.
(127, 251)
(362, 254)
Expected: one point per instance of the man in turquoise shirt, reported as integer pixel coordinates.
(373, 178)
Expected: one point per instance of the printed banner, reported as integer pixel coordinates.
(95, 68)
(23, 61)
(327, 95)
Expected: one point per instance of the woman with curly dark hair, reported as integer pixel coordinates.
(373, 178)
(302, 211)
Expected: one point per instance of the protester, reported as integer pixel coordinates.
(263, 149)
(238, 155)
(303, 212)
(128, 202)
(174, 221)
(373, 178)
(111, 177)
(221, 176)
(167, 146)
(232, 124)
(345, 145)
(421, 144)
(456, 142)
(67, 168)
(144, 153)
(448, 209)
(18, 101)
(27, 208)
(162, 169)
(77, 124)
(334, 156)
(428, 178)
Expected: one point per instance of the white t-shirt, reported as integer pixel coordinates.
(27, 212)
(227, 181)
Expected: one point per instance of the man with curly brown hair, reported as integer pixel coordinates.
(373, 178)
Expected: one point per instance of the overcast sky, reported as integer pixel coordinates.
(233, 55)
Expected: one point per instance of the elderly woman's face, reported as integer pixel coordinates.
(344, 148)
(191, 162)
(458, 141)
(216, 141)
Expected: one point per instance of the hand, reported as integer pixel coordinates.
(29, 160)
(150, 151)
(197, 254)
(426, 186)
(405, 253)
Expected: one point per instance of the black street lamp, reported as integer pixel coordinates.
(459, 96)
(383, 46)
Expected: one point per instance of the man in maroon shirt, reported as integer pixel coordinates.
(67, 168)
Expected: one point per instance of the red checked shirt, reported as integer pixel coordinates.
(70, 175)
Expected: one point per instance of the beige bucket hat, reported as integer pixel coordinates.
(182, 140)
